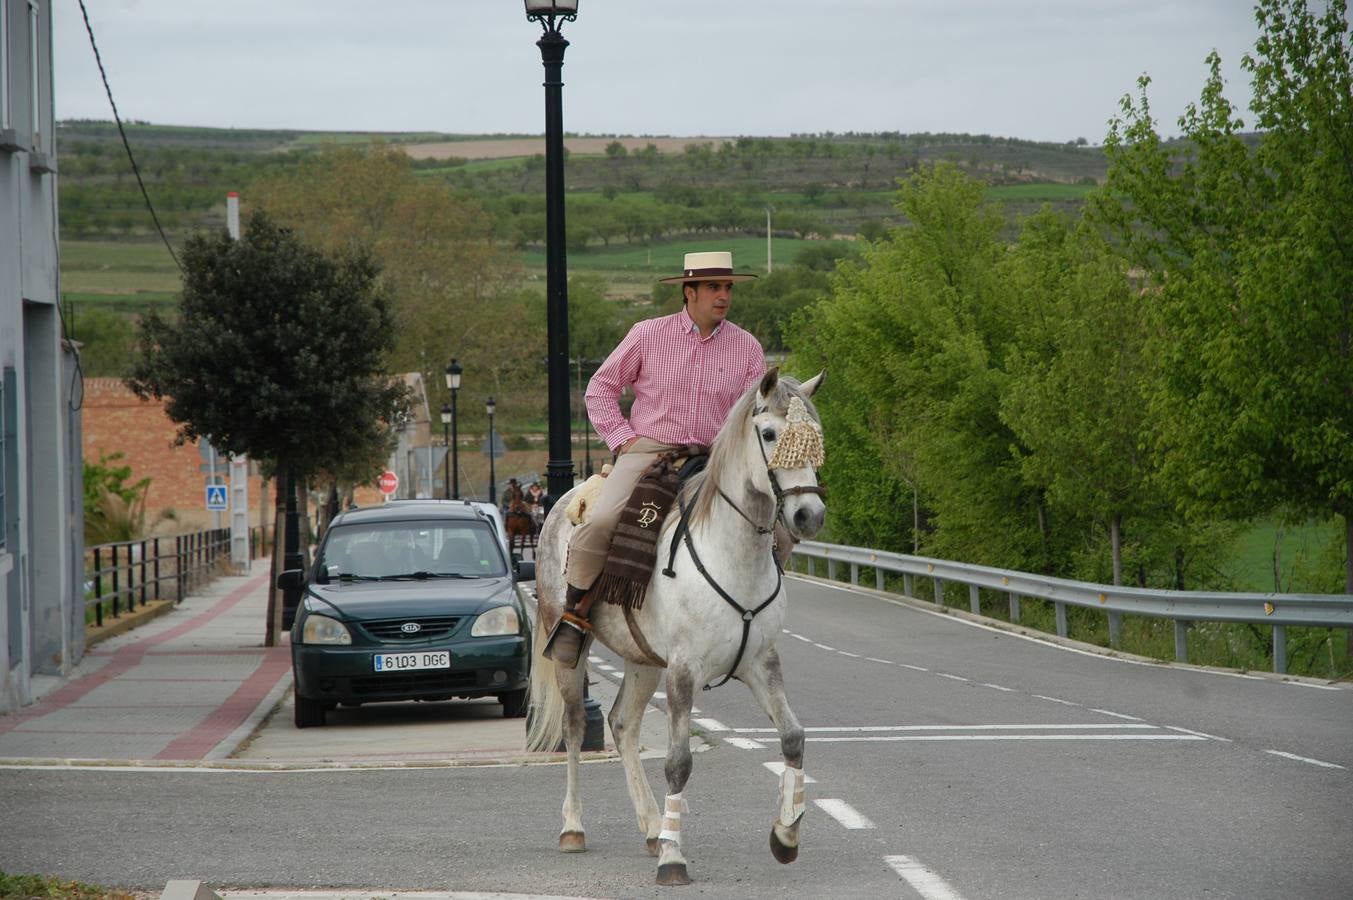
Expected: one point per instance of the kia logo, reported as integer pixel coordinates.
(411, 628)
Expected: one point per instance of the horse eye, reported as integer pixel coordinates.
(768, 434)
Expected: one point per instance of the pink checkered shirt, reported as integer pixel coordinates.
(684, 385)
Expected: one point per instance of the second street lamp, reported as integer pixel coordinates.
(489, 407)
(551, 14)
(446, 422)
(453, 372)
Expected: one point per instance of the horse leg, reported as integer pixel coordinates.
(680, 697)
(626, 718)
(570, 682)
(767, 685)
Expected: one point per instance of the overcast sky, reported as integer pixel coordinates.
(1052, 70)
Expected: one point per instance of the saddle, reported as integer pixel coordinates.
(633, 554)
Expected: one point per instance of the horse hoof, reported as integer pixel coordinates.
(782, 853)
(653, 848)
(572, 842)
(673, 875)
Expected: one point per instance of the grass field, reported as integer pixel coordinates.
(1299, 552)
(1039, 192)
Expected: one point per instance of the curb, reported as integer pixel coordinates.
(151, 609)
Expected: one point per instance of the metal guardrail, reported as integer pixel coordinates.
(1183, 607)
(121, 574)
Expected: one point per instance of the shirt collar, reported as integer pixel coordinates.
(688, 324)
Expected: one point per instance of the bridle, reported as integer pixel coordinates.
(683, 535)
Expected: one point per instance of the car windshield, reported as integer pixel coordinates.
(390, 551)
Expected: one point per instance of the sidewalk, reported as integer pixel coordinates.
(195, 686)
(188, 685)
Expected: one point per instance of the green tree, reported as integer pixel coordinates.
(1247, 245)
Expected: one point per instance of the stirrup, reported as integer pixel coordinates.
(568, 640)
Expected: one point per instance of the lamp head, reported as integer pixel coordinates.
(446, 414)
(453, 371)
(536, 10)
(490, 406)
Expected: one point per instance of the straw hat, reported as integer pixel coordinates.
(709, 265)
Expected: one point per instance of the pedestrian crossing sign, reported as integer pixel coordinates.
(216, 496)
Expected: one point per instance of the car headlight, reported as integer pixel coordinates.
(497, 621)
(324, 630)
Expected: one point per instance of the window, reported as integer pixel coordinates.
(4, 65)
(35, 77)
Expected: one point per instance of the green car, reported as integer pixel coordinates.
(411, 600)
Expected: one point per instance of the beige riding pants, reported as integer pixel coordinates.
(591, 541)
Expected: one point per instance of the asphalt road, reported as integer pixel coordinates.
(951, 760)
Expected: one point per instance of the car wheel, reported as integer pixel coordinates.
(514, 704)
(308, 712)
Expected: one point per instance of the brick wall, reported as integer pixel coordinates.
(115, 420)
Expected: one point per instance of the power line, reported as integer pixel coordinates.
(125, 143)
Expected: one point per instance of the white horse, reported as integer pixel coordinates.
(718, 616)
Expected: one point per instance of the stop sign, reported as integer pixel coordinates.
(388, 482)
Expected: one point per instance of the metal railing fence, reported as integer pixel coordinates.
(121, 575)
(1183, 607)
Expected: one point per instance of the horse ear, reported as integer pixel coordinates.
(768, 382)
(810, 386)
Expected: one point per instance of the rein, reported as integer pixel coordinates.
(683, 535)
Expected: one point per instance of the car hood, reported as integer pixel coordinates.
(436, 596)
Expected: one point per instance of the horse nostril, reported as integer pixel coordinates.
(807, 521)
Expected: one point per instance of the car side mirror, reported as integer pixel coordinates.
(291, 580)
(526, 571)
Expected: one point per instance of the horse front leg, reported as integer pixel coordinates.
(570, 682)
(626, 719)
(680, 697)
(767, 685)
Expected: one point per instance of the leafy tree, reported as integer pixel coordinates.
(1247, 245)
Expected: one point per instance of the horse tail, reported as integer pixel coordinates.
(545, 718)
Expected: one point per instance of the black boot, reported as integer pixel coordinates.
(570, 635)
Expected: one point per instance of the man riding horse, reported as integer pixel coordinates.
(686, 371)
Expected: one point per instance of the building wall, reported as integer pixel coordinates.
(42, 625)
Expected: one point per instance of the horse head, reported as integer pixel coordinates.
(789, 446)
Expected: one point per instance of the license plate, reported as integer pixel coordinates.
(407, 662)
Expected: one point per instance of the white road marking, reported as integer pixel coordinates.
(745, 743)
(1318, 687)
(777, 769)
(1114, 714)
(1007, 737)
(799, 637)
(716, 725)
(844, 813)
(1306, 759)
(606, 668)
(997, 687)
(851, 655)
(1056, 700)
(1202, 734)
(913, 668)
(922, 878)
(824, 647)
(659, 695)
(886, 662)
(1059, 726)
(952, 677)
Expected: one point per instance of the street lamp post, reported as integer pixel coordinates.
(453, 372)
(489, 407)
(551, 14)
(446, 439)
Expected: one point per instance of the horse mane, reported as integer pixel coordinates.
(736, 429)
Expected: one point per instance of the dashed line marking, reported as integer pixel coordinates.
(923, 879)
(714, 725)
(997, 687)
(824, 646)
(1306, 759)
(1005, 737)
(848, 653)
(1056, 700)
(913, 668)
(1108, 712)
(952, 677)
(1201, 734)
(844, 813)
(886, 662)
